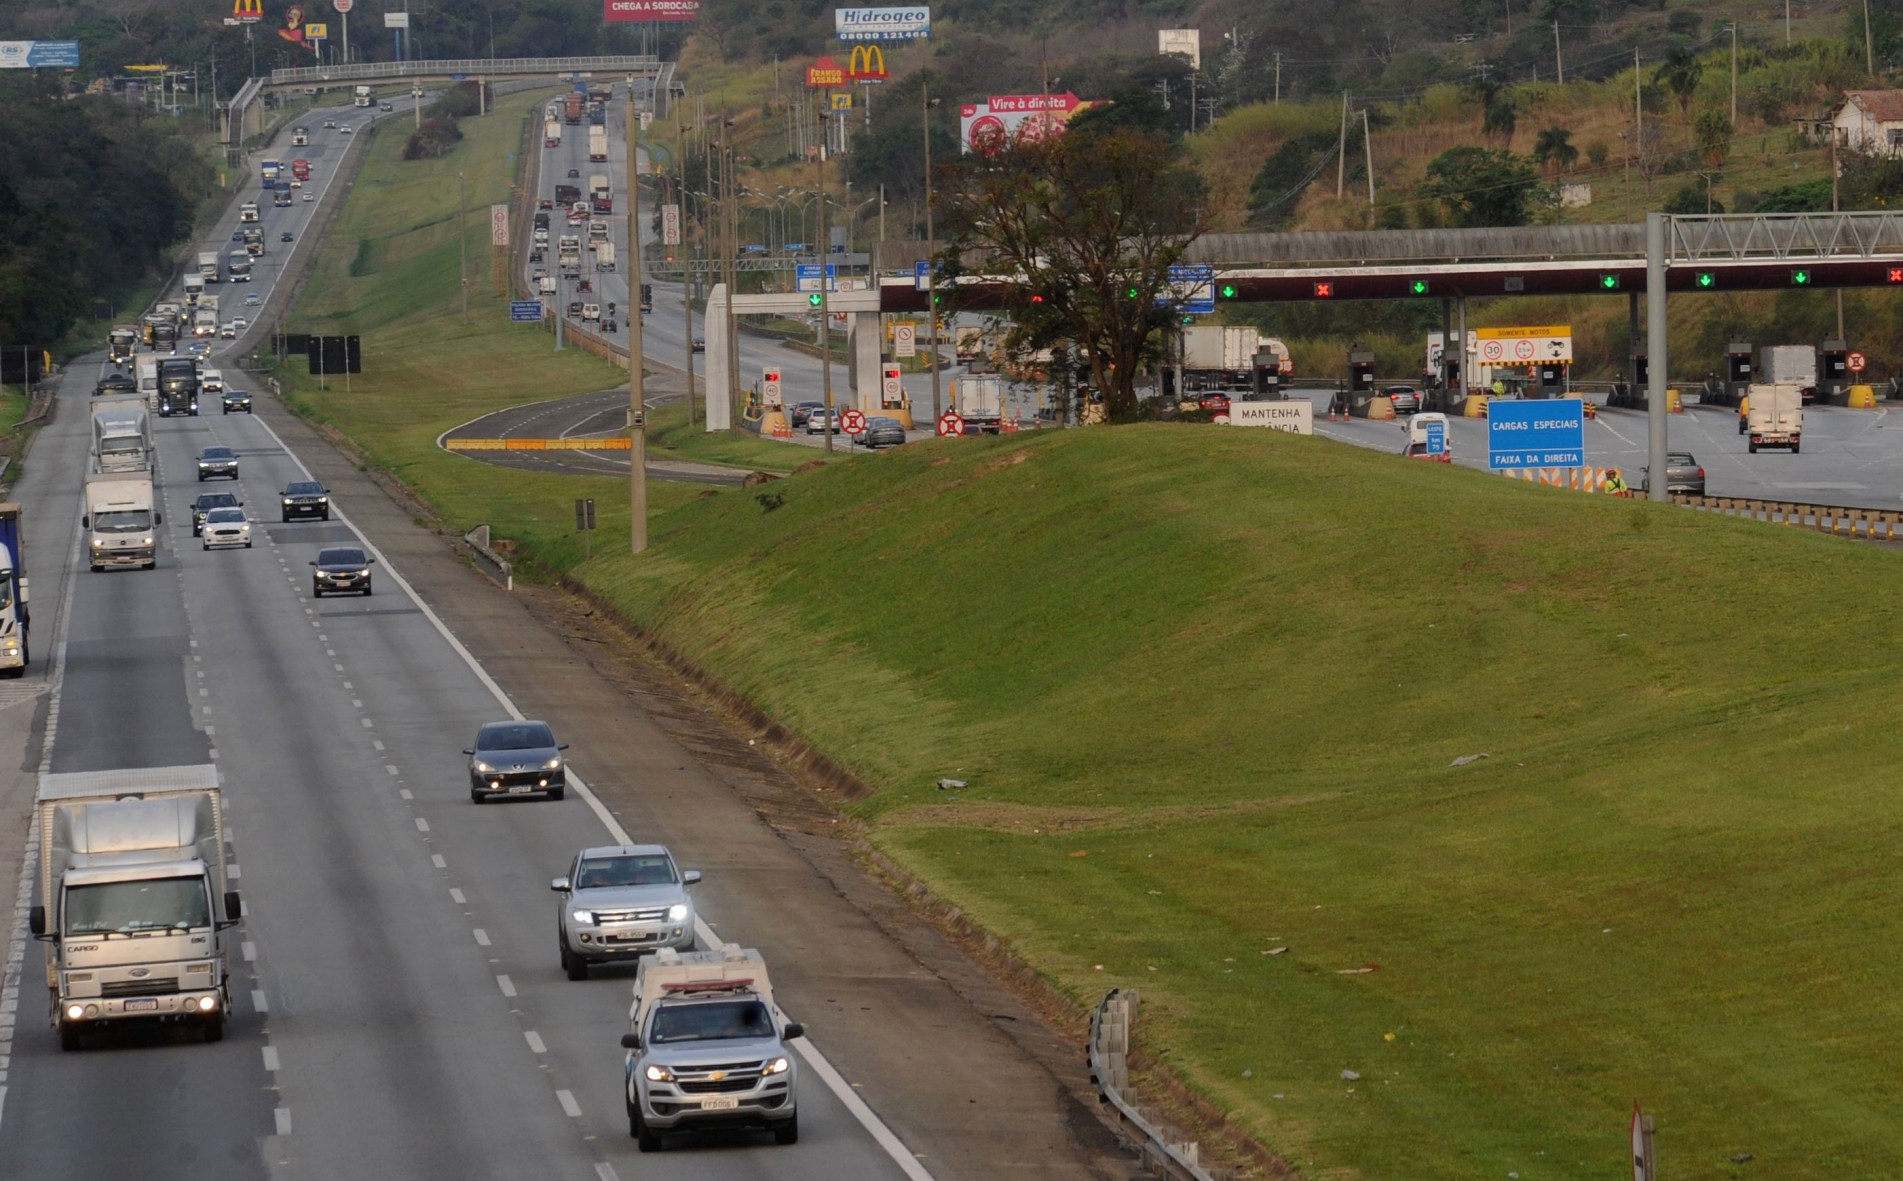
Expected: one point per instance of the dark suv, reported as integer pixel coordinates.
(341, 568)
(306, 498)
(208, 501)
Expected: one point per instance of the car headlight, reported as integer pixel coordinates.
(287, 500)
(323, 500)
(777, 1066)
(364, 573)
(584, 917)
(484, 768)
(554, 764)
(660, 1074)
(677, 913)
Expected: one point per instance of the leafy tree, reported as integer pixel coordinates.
(1810, 196)
(1712, 130)
(1500, 118)
(1679, 74)
(1554, 148)
(1481, 186)
(1093, 219)
(1693, 197)
(1683, 23)
(1597, 152)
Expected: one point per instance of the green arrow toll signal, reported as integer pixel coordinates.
(1706, 279)
(1800, 278)
(1609, 282)
(1229, 291)
(814, 299)
(1418, 287)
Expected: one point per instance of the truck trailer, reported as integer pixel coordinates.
(1789, 364)
(134, 900)
(597, 144)
(1774, 416)
(208, 265)
(122, 430)
(14, 649)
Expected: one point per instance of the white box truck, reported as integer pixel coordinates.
(134, 900)
(120, 521)
(597, 144)
(122, 434)
(1774, 415)
(605, 256)
(980, 402)
(1789, 364)
(208, 265)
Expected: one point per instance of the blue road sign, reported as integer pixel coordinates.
(525, 311)
(921, 275)
(1437, 438)
(37, 54)
(1541, 433)
(1192, 290)
(806, 276)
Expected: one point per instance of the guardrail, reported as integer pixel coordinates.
(475, 67)
(492, 563)
(1162, 1146)
(1835, 519)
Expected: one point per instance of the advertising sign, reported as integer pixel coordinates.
(247, 12)
(396, 20)
(32, 55)
(670, 225)
(824, 73)
(841, 101)
(498, 225)
(1524, 346)
(525, 311)
(866, 63)
(1297, 416)
(883, 24)
(1010, 118)
(1542, 433)
(316, 31)
(1186, 42)
(650, 10)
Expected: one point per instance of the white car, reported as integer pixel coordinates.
(330, 124)
(346, 129)
(239, 322)
(226, 526)
(820, 424)
(228, 330)
(251, 298)
(308, 197)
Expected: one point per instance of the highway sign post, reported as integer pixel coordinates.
(1191, 290)
(1524, 346)
(922, 276)
(525, 311)
(951, 423)
(904, 339)
(585, 525)
(1536, 434)
(1437, 438)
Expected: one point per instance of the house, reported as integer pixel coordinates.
(1870, 122)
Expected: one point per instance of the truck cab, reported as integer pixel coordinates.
(248, 212)
(120, 521)
(300, 137)
(707, 1048)
(122, 342)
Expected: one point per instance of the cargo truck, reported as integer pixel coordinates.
(194, 284)
(600, 195)
(1774, 415)
(208, 265)
(14, 650)
(605, 256)
(551, 134)
(248, 212)
(268, 170)
(122, 342)
(1789, 364)
(360, 96)
(134, 900)
(568, 256)
(281, 193)
(597, 143)
(148, 372)
(122, 432)
(178, 384)
(567, 195)
(571, 108)
(301, 170)
(300, 137)
(1217, 357)
(120, 520)
(707, 1048)
(254, 242)
(980, 402)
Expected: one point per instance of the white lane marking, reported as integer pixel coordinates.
(436, 859)
(391, 769)
(378, 745)
(249, 950)
(283, 1117)
(338, 667)
(482, 937)
(606, 1171)
(568, 1104)
(271, 1058)
(881, 1134)
(456, 896)
(355, 704)
(259, 1002)
(535, 1042)
(422, 825)
(211, 752)
(404, 793)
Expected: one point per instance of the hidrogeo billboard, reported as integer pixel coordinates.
(909, 23)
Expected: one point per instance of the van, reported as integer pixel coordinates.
(1417, 436)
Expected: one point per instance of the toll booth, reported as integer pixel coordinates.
(1552, 379)
(1265, 377)
(1833, 372)
(1360, 371)
(1630, 393)
(1738, 371)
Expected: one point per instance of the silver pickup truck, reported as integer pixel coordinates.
(619, 901)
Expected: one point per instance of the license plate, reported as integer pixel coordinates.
(145, 1005)
(719, 1103)
(520, 790)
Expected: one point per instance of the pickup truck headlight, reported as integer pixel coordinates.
(677, 913)
(660, 1074)
(584, 917)
(777, 1066)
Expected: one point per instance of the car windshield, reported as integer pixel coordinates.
(340, 557)
(125, 521)
(225, 516)
(215, 452)
(1680, 459)
(304, 489)
(515, 736)
(127, 908)
(711, 1020)
(216, 500)
(625, 870)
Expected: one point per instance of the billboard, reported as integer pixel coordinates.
(1183, 42)
(910, 23)
(650, 10)
(866, 64)
(498, 225)
(32, 55)
(824, 74)
(1013, 118)
(396, 20)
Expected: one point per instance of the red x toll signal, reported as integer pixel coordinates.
(1896, 274)
(1324, 291)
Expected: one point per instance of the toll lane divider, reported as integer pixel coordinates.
(579, 444)
(1581, 479)
(1867, 523)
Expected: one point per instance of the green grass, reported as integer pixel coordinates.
(1207, 687)
(670, 437)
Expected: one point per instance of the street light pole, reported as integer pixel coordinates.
(637, 399)
(825, 317)
(926, 104)
(686, 256)
(462, 244)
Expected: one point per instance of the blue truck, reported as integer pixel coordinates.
(13, 610)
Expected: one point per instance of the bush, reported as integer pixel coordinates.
(1691, 198)
(434, 138)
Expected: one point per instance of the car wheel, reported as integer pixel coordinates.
(287, 518)
(316, 591)
(208, 546)
(247, 545)
(645, 1138)
(1794, 448)
(556, 793)
(368, 591)
(475, 797)
(1754, 448)
(201, 477)
(576, 967)
(326, 515)
(788, 1132)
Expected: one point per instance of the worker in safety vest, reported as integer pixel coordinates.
(1499, 388)
(1616, 485)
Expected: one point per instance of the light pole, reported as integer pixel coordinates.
(825, 317)
(926, 103)
(637, 400)
(686, 256)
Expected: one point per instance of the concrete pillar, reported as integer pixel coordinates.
(863, 346)
(720, 382)
(1655, 359)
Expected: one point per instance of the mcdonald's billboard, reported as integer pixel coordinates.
(824, 73)
(248, 12)
(867, 64)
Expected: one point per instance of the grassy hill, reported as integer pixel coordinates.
(1208, 688)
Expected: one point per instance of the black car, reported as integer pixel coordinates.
(805, 410)
(237, 235)
(574, 172)
(306, 498)
(236, 400)
(217, 461)
(116, 383)
(514, 759)
(285, 236)
(700, 345)
(341, 568)
(208, 501)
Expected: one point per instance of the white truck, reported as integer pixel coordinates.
(551, 133)
(122, 432)
(1774, 415)
(134, 900)
(248, 212)
(568, 256)
(980, 402)
(605, 256)
(707, 1048)
(300, 137)
(194, 284)
(601, 198)
(14, 617)
(360, 96)
(148, 372)
(209, 265)
(597, 144)
(1789, 364)
(120, 520)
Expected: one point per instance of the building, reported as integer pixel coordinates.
(1870, 122)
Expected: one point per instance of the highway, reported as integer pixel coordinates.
(398, 1006)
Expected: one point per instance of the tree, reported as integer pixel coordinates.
(1500, 117)
(1092, 220)
(1680, 74)
(1481, 186)
(1554, 148)
(1712, 129)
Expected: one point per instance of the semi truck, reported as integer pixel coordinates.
(178, 384)
(568, 256)
(571, 108)
(300, 137)
(1220, 357)
(597, 143)
(552, 134)
(1774, 414)
(1789, 364)
(122, 342)
(239, 267)
(281, 193)
(208, 265)
(134, 900)
(122, 433)
(360, 96)
(707, 1047)
(567, 195)
(120, 520)
(301, 170)
(254, 242)
(194, 284)
(268, 170)
(14, 650)
(248, 212)
(600, 195)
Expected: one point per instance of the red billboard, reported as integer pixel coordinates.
(650, 10)
(824, 74)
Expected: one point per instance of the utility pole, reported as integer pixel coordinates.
(1638, 104)
(1734, 77)
(1278, 77)
(1869, 48)
(1834, 209)
(686, 257)
(825, 316)
(931, 265)
(730, 235)
(1559, 63)
(462, 243)
(1367, 143)
(1787, 22)
(637, 392)
(1341, 148)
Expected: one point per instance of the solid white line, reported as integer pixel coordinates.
(271, 1058)
(535, 1042)
(867, 1118)
(569, 1105)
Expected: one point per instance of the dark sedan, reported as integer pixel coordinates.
(217, 461)
(880, 432)
(516, 759)
(805, 410)
(341, 568)
(306, 498)
(236, 400)
(208, 501)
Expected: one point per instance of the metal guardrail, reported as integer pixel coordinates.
(1109, 1051)
(475, 67)
(1836, 520)
(494, 564)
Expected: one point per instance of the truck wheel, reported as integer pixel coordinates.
(645, 1138)
(1754, 448)
(69, 1037)
(1795, 448)
(577, 967)
(215, 1029)
(788, 1132)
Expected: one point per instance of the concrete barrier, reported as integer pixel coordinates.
(1475, 405)
(1381, 407)
(1861, 397)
